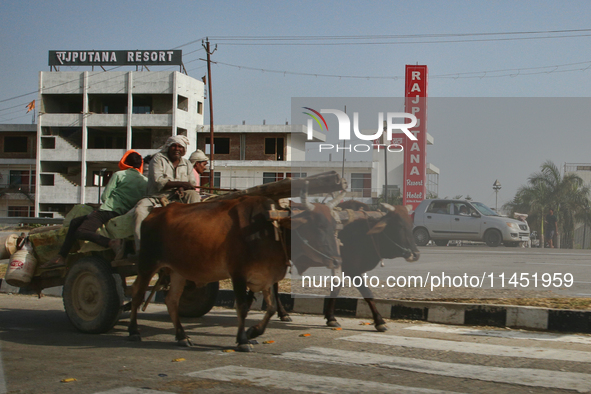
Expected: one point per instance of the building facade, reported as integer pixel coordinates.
(87, 120)
(18, 146)
(249, 155)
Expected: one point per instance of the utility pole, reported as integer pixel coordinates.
(386, 170)
(206, 46)
(344, 143)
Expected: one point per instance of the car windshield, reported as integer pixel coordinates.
(483, 209)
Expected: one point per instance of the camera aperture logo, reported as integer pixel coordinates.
(345, 129)
(316, 119)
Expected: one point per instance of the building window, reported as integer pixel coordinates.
(96, 178)
(47, 142)
(22, 179)
(182, 103)
(107, 138)
(275, 146)
(199, 107)
(221, 146)
(295, 175)
(47, 179)
(269, 177)
(217, 178)
(15, 144)
(141, 104)
(361, 183)
(20, 212)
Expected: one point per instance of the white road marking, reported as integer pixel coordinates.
(567, 265)
(133, 390)
(522, 376)
(502, 334)
(473, 348)
(304, 382)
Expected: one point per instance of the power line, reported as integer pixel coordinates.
(403, 43)
(509, 72)
(353, 40)
(377, 39)
(365, 37)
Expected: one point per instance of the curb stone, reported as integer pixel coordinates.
(560, 320)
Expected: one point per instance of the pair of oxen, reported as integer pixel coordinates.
(212, 241)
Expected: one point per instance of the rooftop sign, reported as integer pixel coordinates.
(116, 58)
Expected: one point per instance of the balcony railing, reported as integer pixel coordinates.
(17, 188)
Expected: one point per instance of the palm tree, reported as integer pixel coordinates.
(549, 189)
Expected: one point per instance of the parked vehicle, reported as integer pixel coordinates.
(443, 220)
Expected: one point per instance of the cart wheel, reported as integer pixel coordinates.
(197, 301)
(92, 298)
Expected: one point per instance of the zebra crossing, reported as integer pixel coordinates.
(522, 376)
(378, 353)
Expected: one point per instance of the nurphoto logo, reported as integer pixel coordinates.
(345, 129)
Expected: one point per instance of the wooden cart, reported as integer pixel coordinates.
(95, 286)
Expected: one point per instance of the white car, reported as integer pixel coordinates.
(442, 220)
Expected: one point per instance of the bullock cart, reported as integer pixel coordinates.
(95, 285)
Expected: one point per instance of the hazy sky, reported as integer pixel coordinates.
(460, 65)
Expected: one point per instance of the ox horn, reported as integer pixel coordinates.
(335, 201)
(387, 206)
(308, 206)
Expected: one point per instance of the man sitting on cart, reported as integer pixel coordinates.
(170, 178)
(123, 191)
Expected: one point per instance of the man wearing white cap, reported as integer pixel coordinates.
(171, 177)
(199, 161)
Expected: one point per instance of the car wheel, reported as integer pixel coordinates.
(493, 238)
(441, 242)
(421, 236)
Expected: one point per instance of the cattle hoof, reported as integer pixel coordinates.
(252, 332)
(333, 323)
(381, 327)
(184, 342)
(245, 347)
(286, 318)
(135, 338)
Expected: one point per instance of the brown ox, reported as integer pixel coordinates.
(212, 241)
(365, 243)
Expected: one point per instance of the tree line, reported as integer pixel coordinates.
(548, 189)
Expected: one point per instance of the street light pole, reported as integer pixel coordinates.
(496, 188)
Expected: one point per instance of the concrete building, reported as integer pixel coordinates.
(249, 155)
(17, 170)
(87, 120)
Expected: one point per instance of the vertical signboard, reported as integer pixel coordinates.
(415, 152)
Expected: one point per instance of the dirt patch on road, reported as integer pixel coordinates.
(553, 303)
